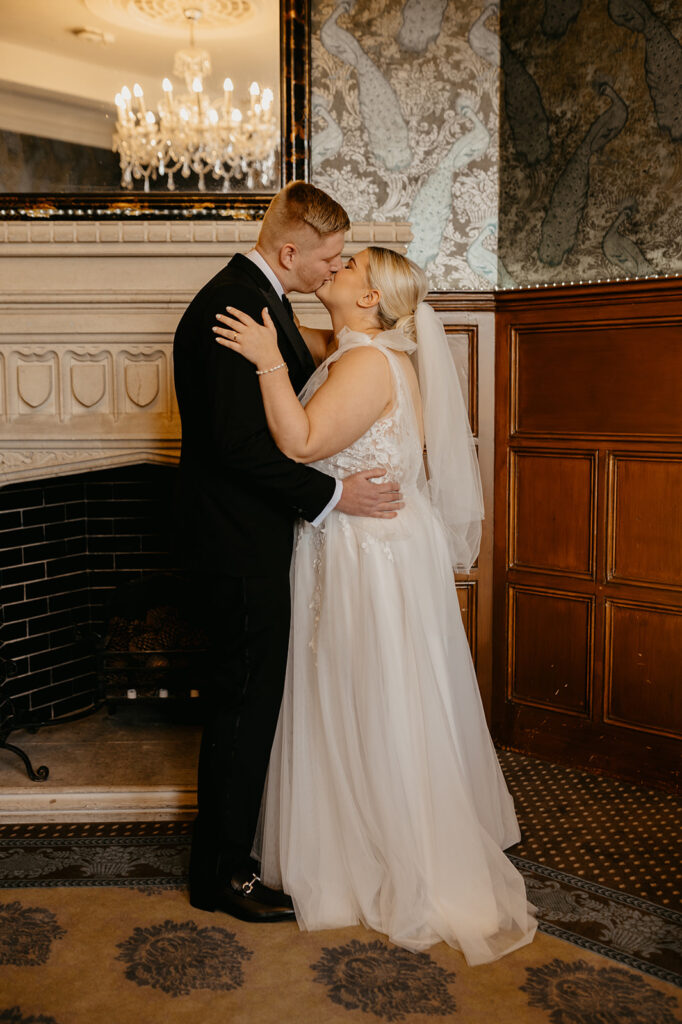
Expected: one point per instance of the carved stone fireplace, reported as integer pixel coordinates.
(90, 430)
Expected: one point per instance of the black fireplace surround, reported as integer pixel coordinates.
(65, 545)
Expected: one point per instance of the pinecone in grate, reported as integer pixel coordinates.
(158, 617)
(145, 640)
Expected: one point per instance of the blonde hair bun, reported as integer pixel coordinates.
(401, 284)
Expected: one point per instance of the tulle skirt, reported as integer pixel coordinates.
(385, 803)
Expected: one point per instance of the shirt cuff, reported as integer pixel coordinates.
(336, 498)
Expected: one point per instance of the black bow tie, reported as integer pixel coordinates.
(287, 306)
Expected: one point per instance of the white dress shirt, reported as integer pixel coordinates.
(263, 265)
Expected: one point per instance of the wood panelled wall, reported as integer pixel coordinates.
(588, 527)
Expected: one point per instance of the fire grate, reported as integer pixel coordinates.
(153, 647)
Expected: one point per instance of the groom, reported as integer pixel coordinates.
(238, 497)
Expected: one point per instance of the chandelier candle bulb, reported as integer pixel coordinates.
(139, 95)
(227, 95)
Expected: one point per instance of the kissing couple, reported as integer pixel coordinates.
(346, 772)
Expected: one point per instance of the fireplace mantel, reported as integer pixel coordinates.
(88, 316)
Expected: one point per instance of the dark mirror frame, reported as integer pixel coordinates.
(295, 162)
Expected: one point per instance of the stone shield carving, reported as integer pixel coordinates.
(142, 382)
(88, 383)
(34, 383)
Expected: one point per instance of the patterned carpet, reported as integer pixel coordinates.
(610, 832)
(95, 926)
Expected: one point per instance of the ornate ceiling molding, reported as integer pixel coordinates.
(167, 17)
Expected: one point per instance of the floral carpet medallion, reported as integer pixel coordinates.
(181, 957)
(27, 934)
(386, 981)
(578, 993)
(15, 1016)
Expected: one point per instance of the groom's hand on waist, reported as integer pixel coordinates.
(362, 497)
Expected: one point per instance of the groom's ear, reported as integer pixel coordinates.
(287, 255)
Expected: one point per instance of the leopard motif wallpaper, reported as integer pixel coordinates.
(526, 141)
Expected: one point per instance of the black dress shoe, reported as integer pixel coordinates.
(246, 898)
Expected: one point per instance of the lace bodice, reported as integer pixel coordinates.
(393, 441)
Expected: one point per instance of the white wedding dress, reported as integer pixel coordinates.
(385, 803)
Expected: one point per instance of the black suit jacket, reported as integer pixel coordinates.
(237, 494)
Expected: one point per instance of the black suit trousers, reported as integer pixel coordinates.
(248, 619)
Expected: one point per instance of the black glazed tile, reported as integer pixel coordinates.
(65, 529)
(62, 493)
(11, 632)
(65, 565)
(48, 623)
(99, 562)
(76, 509)
(76, 545)
(46, 552)
(98, 490)
(24, 573)
(11, 595)
(20, 497)
(46, 659)
(25, 610)
(58, 585)
(60, 637)
(100, 526)
(75, 600)
(23, 647)
(10, 520)
(43, 514)
(72, 669)
(22, 537)
(144, 561)
(10, 557)
(56, 691)
(113, 545)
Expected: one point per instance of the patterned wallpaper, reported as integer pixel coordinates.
(585, 174)
(600, 195)
(405, 126)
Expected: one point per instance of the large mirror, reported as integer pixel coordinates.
(151, 108)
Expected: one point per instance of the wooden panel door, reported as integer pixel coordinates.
(588, 527)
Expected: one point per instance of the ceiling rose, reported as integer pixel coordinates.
(168, 17)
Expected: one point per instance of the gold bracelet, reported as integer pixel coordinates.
(271, 370)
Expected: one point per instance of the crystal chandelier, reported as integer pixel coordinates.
(191, 133)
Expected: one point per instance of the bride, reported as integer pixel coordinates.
(384, 804)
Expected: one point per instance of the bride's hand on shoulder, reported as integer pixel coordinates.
(256, 342)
